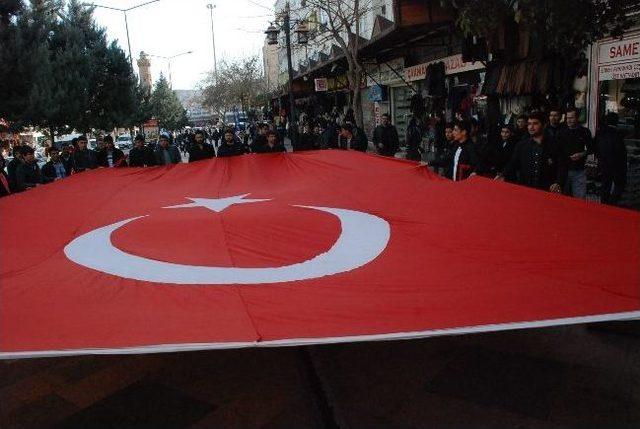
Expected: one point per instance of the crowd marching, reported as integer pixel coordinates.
(540, 150)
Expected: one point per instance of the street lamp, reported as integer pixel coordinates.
(126, 23)
(169, 58)
(213, 41)
(303, 37)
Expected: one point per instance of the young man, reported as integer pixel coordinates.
(385, 137)
(465, 157)
(574, 144)
(260, 138)
(110, 156)
(200, 149)
(166, 153)
(54, 169)
(520, 131)
(554, 127)
(350, 139)
(504, 148)
(140, 154)
(28, 172)
(83, 158)
(534, 162)
(12, 168)
(230, 146)
(272, 145)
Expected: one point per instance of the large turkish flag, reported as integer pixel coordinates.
(300, 248)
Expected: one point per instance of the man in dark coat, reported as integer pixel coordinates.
(351, 139)
(554, 127)
(385, 137)
(83, 157)
(534, 162)
(231, 146)
(110, 156)
(272, 145)
(141, 155)
(12, 168)
(200, 149)
(574, 144)
(612, 160)
(166, 153)
(54, 169)
(28, 172)
(504, 148)
(260, 138)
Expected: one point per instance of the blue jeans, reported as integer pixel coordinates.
(576, 184)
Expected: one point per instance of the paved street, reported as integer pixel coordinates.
(550, 378)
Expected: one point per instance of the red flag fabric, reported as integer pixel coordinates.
(313, 247)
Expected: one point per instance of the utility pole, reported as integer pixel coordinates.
(213, 42)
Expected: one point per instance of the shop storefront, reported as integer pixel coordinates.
(615, 84)
(449, 84)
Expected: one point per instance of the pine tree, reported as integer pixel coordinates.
(166, 106)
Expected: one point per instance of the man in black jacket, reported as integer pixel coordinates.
(110, 156)
(28, 172)
(54, 169)
(385, 137)
(574, 144)
(612, 160)
(260, 138)
(141, 155)
(351, 138)
(230, 146)
(534, 161)
(554, 127)
(504, 148)
(200, 149)
(463, 160)
(12, 168)
(83, 158)
(166, 153)
(272, 145)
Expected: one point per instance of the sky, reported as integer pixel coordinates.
(170, 27)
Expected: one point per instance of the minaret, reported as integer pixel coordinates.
(144, 69)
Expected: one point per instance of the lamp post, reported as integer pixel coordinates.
(126, 22)
(303, 37)
(169, 58)
(213, 42)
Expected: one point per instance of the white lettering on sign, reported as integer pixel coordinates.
(619, 71)
(619, 51)
(452, 65)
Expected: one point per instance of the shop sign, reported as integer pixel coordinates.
(452, 65)
(321, 84)
(376, 93)
(620, 51)
(377, 113)
(619, 71)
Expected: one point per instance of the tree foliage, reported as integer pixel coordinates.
(342, 28)
(166, 107)
(561, 26)
(60, 72)
(239, 83)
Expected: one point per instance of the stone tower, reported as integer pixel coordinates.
(144, 69)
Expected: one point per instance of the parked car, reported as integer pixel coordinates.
(124, 141)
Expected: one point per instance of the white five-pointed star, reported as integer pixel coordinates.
(216, 204)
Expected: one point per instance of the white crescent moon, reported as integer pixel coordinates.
(363, 238)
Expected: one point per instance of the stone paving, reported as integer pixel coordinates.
(565, 377)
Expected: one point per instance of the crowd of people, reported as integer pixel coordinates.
(540, 150)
